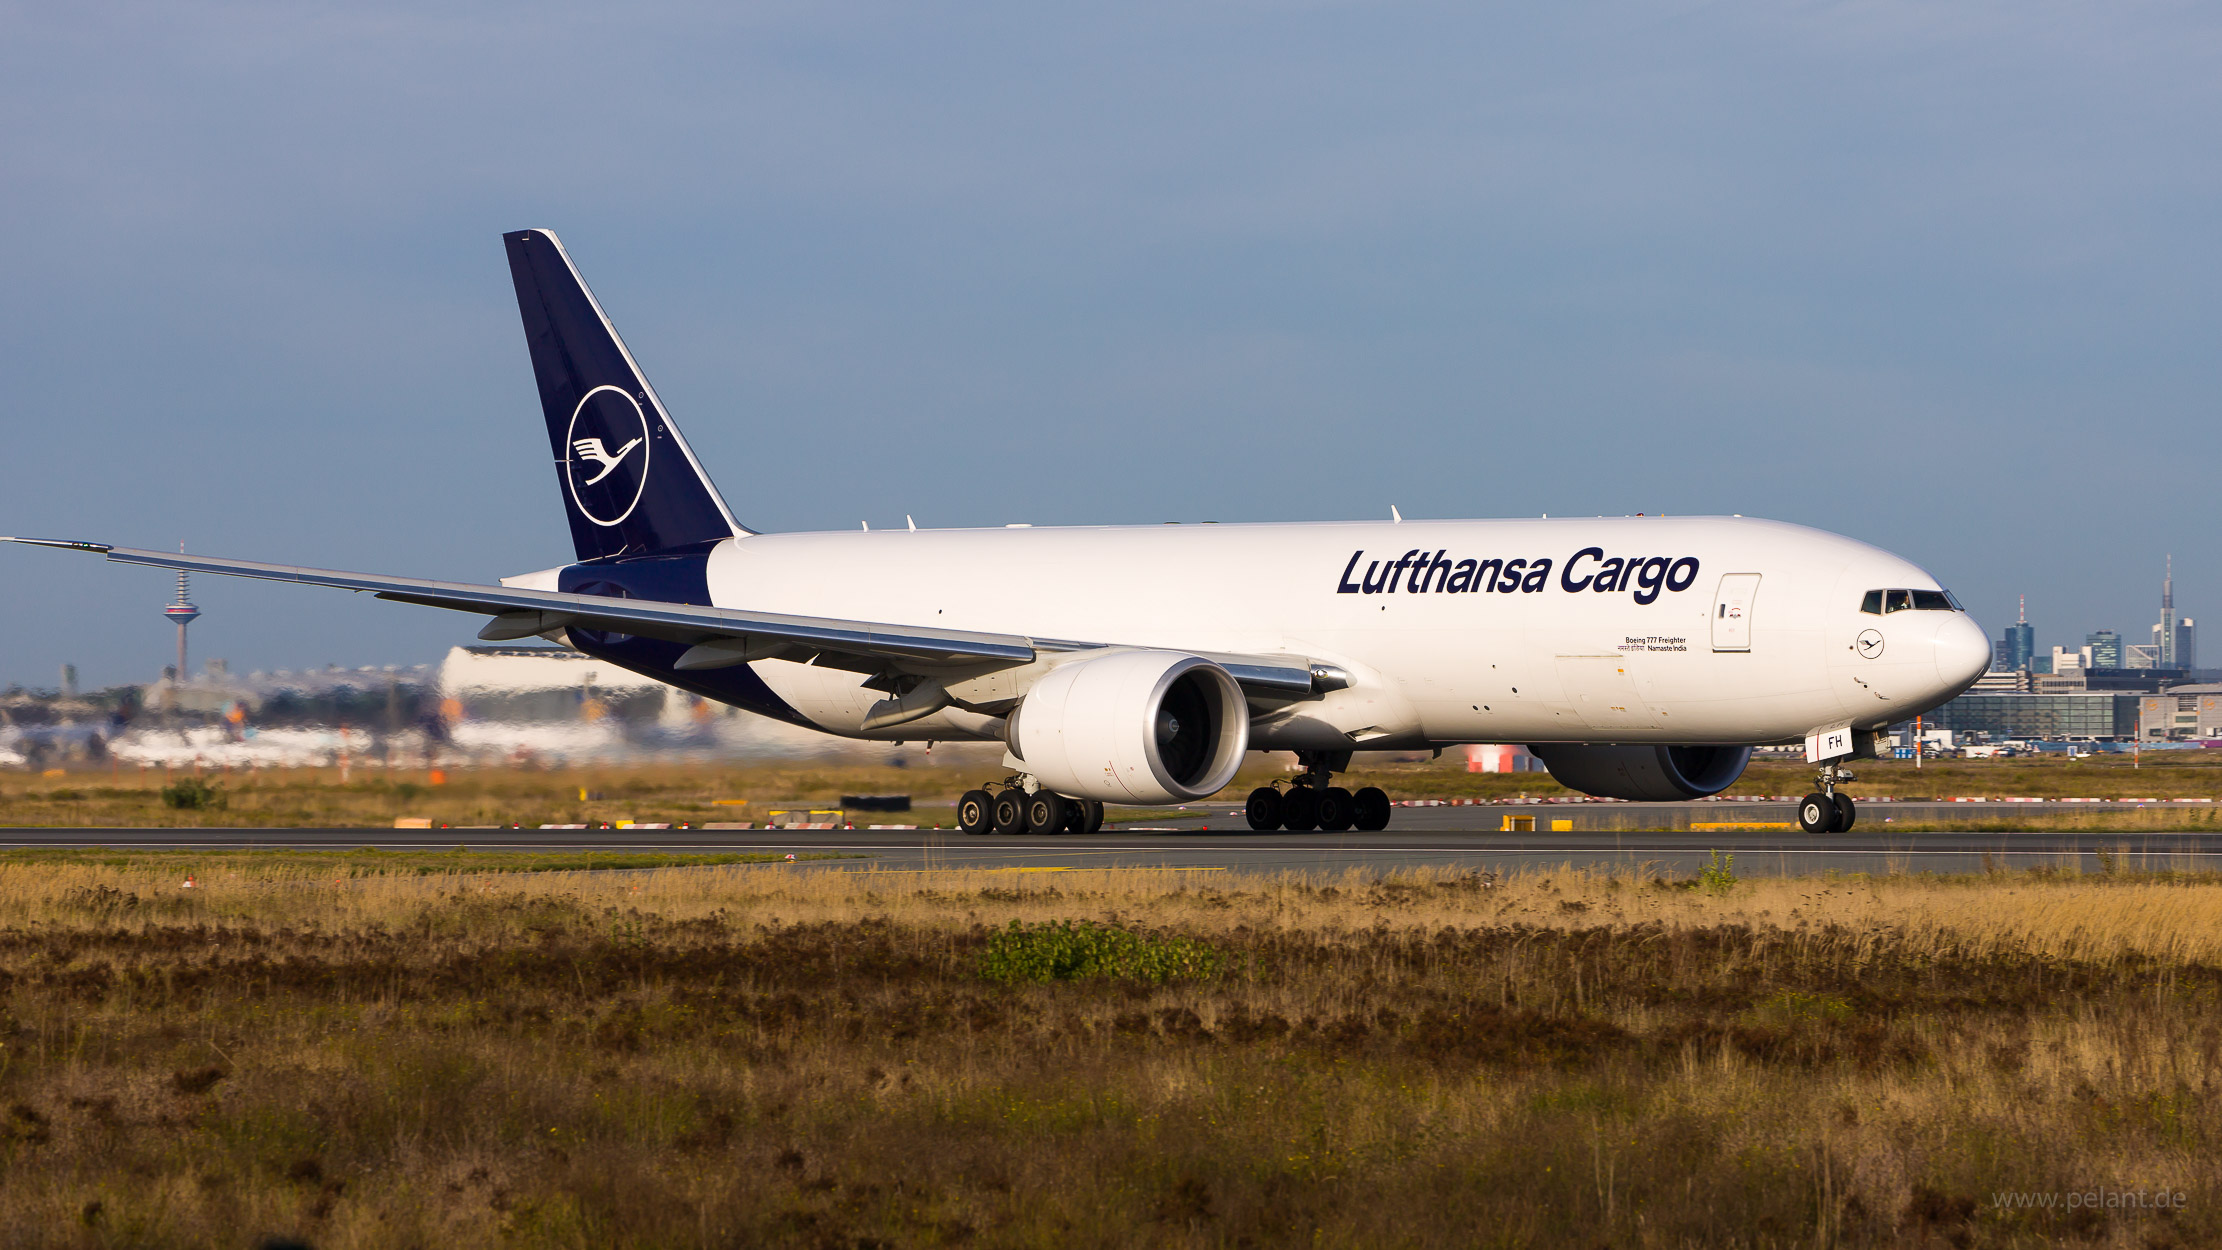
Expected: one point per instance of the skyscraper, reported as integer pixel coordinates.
(2164, 634)
(2017, 648)
(2106, 648)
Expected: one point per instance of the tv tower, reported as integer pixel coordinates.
(183, 612)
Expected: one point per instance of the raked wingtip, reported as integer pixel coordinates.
(67, 544)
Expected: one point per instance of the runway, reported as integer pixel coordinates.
(1210, 840)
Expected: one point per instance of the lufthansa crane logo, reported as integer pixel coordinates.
(606, 485)
(1870, 644)
(592, 449)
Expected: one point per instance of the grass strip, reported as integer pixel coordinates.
(95, 797)
(371, 861)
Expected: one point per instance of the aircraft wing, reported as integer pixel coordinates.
(520, 613)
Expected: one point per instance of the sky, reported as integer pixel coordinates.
(1945, 278)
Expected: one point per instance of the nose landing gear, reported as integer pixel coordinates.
(1828, 810)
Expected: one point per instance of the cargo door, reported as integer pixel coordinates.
(1732, 605)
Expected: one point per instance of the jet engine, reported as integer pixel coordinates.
(1649, 773)
(1132, 727)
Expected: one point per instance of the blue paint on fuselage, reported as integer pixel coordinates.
(677, 576)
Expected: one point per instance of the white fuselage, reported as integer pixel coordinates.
(1722, 629)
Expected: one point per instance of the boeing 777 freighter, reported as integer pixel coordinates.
(1641, 657)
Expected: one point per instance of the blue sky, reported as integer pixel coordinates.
(1943, 278)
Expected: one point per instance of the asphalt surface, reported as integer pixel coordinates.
(1214, 839)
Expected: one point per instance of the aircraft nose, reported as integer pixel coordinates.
(1963, 652)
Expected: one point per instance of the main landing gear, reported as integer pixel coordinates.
(1010, 809)
(1828, 810)
(1311, 803)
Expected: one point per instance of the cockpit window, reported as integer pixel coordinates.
(1882, 602)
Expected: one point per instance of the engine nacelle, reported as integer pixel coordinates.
(1133, 727)
(1650, 773)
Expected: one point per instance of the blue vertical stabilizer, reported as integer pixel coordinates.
(630, 484)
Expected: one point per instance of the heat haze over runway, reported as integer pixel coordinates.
(1460, 838)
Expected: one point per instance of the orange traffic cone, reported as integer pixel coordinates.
(189, 882)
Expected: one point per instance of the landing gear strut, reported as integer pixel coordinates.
(1311, 802)
(1828, 810)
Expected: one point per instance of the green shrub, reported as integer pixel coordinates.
(1795, 1007)
(1065, 951)
(1719, 874)
(191, 794)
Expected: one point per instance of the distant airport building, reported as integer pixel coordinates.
(2181, 713)
(2143, 681)
(383, 698)
(518, 701)
(2074, 680)
(545, 685)
(2089, 715)
(1501, 758)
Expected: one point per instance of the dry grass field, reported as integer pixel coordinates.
(680, 792)
(749, 1056)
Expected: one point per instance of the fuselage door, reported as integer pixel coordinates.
(1732, 605)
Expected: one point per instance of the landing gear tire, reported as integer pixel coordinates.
(1846, 813)
(1009, 812)
(1083, 815)
(1370, 809)
(1300, 809)
(1335, 809)
(1045, 812)
(1817, 813)
(976, 812)
(1263, 811)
